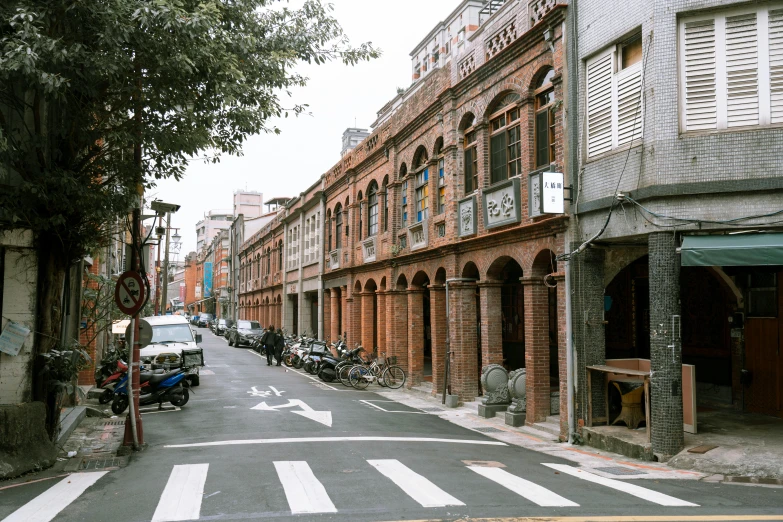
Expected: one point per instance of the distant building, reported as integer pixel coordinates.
(352, 137)
(214, 221)
(248, 203)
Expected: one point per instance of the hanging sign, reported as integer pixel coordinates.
(130, 292)
(552, 188)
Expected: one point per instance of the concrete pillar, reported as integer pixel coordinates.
(334, 313)
(491, 325)
(397, 325)
(368, 320)
(587, 308)
(464, 342)
(536, 348)
(665, 345)
(326, 313)
(380, 318)
(415, 335)
(438, 329)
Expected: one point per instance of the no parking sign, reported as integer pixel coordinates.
(130, 293)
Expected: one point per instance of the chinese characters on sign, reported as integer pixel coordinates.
(12, 338)
(552, 193)
(467, 216)
(501, 204)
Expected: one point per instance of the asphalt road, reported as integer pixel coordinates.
(232, 453)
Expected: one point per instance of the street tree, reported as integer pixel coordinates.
(101, 98)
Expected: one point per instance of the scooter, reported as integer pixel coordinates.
(155, 388)
(110, 382)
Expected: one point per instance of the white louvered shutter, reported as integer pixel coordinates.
(742, 64)
(776, 65)
(599, 104)
(629, 104)
(701, 110)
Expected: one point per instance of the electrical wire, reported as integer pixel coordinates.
(735, 222)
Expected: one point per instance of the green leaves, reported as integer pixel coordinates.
(82, 83)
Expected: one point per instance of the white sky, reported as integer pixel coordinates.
(339, 97)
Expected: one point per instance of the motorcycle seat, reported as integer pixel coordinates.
(156, 378)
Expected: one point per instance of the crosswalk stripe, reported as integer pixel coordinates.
(48, 504)
(181, 498)
(625, 487)
(417, 487)
(304, 492)
(524, 488)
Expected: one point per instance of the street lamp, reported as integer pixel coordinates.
(168, 208)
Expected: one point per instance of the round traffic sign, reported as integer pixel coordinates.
(145, 333)
(130, 292)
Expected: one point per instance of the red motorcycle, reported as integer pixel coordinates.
(111, 381)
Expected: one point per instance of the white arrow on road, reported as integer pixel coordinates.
(324, 417)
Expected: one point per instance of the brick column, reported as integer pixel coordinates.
(464, 342)
(368, 320)
(587, 308)
(327, 316)
(665, 345)
(536, 349)
(344, 311)
(380, 326)
(415, 335)
(397, 325)
(438, 329)
(562, 353)
(334, 313)
(491, 325)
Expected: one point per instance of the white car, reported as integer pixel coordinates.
(171, 337)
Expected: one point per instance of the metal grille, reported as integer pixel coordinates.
(114, 423)
(103, 463)
(617, 470)
(487, 430)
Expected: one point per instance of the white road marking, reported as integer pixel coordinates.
(278, 393)
(336, 439)
(181, 498)
(48, 504)
(304, 492)
(524, 488)
(292, 370)
(417, 487)
(625, 487)
(370, 403)
(324, 417)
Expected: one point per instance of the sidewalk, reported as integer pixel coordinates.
(600, 462)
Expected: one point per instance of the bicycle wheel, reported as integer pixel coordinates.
(343, 374)
(359, 377)
(394, 377)
(377, 371)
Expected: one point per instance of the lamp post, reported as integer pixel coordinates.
(177, 238)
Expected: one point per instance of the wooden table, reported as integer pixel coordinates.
(645, 375)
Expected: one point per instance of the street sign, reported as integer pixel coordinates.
(130, 292)
(145, 333)
(552, 187)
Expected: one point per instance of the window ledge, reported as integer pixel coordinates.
(743, 129)
(621, 148)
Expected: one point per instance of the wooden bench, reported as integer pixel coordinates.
(640, 375)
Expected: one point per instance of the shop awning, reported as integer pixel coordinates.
(733, 250)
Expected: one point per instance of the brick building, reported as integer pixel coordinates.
(439, 192)
(679, 117)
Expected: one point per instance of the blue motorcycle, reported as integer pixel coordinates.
(155, 388)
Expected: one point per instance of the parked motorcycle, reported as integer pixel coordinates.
(156, 387)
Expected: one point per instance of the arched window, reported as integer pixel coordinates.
(404, 195)
(422, 187)
(471, 155)
(385, 204)
(372, 209)
(338, 226)
(505, 144)
(361, 208)
(268, 260)
(328, 225)
(280, 255)
(438, 153)
(545, 119)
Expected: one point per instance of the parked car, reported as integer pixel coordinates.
(194, 320)
(205, 319)
(220, 326)
(240, 333)
(172, 340)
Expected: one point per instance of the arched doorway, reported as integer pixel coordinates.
(420, 333)
(512, 310)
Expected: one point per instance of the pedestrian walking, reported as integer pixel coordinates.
(268, 342)
(279, 345)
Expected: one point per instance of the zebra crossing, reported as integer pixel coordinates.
(183, 495)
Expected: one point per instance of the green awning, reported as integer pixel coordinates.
(733, 250)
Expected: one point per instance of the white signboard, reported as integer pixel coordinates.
(12, 338)
(552, 193)
(198, 291)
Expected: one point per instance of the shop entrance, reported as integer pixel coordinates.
(512, 308)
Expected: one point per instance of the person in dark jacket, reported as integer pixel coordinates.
(268, 342)
(279, 345)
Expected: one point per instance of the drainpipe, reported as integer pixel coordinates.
(447, 365)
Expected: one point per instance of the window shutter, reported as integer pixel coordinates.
(498, 157)
(742, 63)
(629, 109)
(701, 109)
(599, 104)
(776, 65)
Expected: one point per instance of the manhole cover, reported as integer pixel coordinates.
(103, 463)
(431, 409)
(617, 470)
(487, 430)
